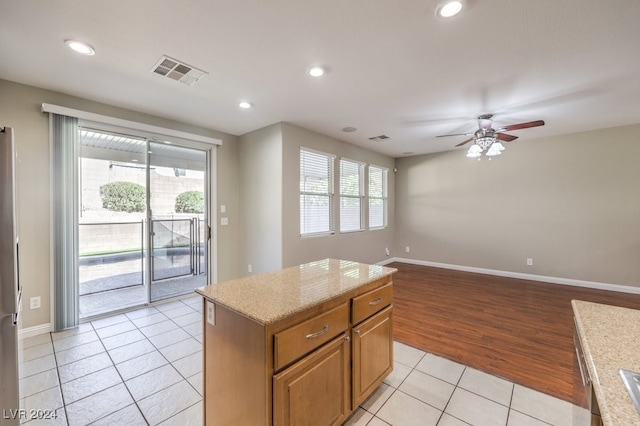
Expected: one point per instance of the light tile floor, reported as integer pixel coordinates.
(145, 368)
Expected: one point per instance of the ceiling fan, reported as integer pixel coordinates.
(485, 136)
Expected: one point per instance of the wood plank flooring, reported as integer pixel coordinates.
(517, 329)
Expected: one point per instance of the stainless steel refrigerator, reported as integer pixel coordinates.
(10, 289)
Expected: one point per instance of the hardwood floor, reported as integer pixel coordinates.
(517, 329)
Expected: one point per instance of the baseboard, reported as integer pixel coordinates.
(34, 331)
(553, 280)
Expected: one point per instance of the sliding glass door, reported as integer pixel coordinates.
(111, 228)
(143, 222)
(178, 219)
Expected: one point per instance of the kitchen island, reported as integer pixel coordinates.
(304, 345)
(610, 339)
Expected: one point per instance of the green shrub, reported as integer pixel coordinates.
(190, 202)
(123, 197)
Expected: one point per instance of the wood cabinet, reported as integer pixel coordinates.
(311, 367)
(372, 354)
(315, 390)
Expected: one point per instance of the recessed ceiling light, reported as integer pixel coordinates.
(316, 72)
(349, 129)
(245, 105)
(80, 47)
(449, 9)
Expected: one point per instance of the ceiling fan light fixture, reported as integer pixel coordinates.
(80, 47)
(485, 142)
(473, 154)
(493, 151)
(449, 9)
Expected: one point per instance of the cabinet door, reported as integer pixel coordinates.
(316, 389)
(372, 354)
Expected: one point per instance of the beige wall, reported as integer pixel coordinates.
(20, 108)
(270, 199)
(366, 246)
(570, 202)
(260, 154)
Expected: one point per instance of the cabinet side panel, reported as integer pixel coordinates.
(235, 374)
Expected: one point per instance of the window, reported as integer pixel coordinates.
(377, 197)
(316, 192)
(351, 196)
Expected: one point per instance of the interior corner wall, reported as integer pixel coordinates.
(260, 155)
(21, 109)
(571, 203)
(364, 246)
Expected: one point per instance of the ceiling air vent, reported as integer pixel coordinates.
(176, 70)
(379, 138)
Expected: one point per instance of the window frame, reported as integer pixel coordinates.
(384, 197)
(361, 197)
(329, 194)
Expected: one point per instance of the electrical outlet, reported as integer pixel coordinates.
(407, 249)
(386, 250)
(211, 313)
(249, 268)
(35, 302)
(224, 221)
(529, 261)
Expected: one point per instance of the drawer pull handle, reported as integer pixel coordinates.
(375, 301)
(317, 333)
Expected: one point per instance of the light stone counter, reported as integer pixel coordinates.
(269, 297)
(611, 339)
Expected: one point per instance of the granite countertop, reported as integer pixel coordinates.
(269, 297)
(611, 339)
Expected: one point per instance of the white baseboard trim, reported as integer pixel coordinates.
(553, 280)
(34, 331)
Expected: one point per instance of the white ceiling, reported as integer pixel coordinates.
(393, 67)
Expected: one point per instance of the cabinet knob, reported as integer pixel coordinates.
(357, 332)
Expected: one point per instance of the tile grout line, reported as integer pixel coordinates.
(55, 360)
(119, 375)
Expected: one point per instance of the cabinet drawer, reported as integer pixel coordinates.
(369, 303)
(301, 339)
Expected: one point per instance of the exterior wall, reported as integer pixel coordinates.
(568, 202)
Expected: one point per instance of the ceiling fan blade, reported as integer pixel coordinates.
(505, 137)
(455, 134)
(521, 126)
(462, 143)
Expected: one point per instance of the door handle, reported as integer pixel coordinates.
(208, 232)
